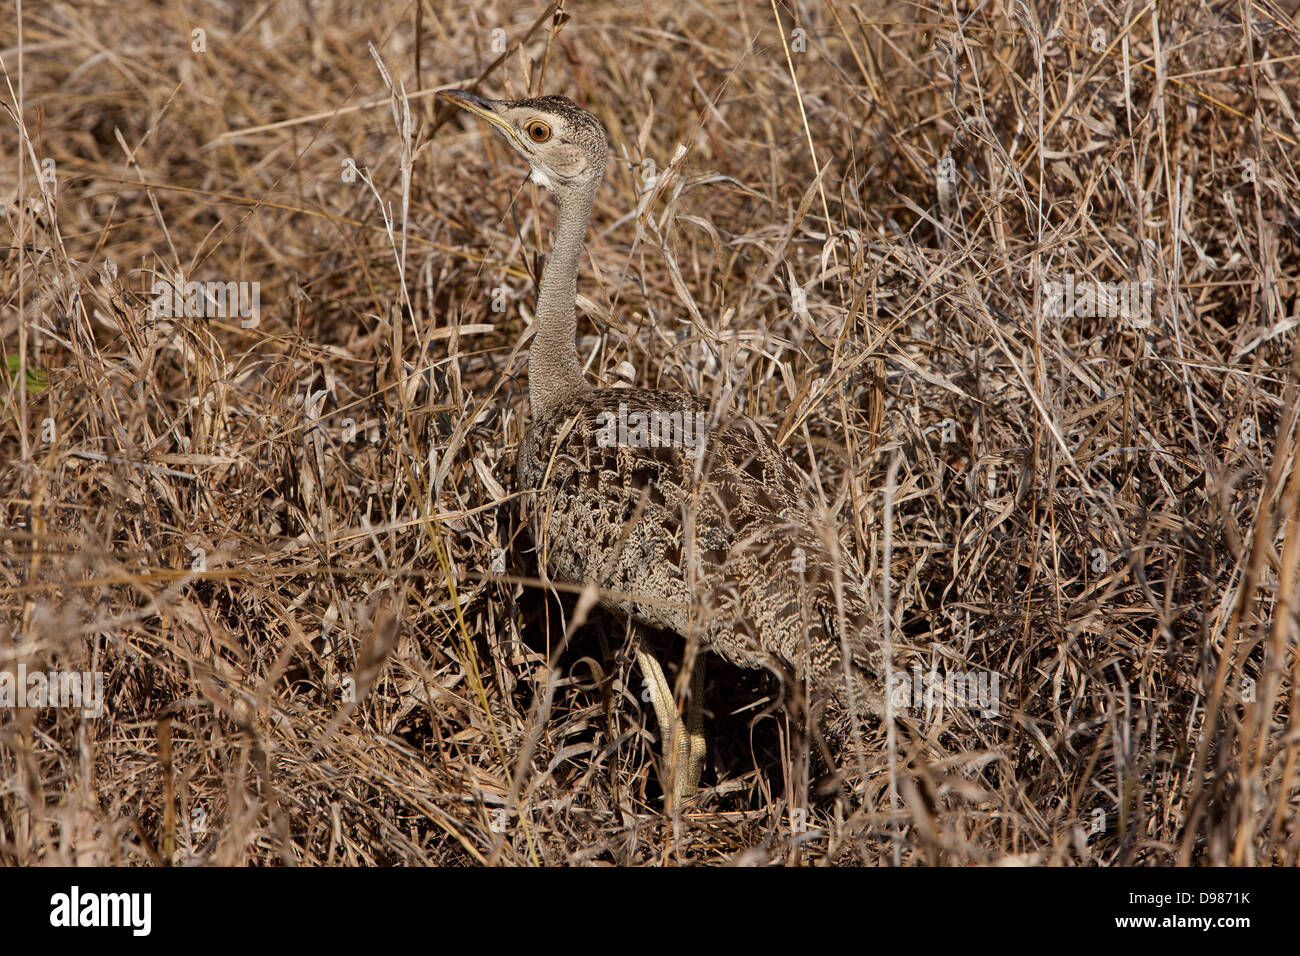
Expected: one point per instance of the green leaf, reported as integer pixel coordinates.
(37, 379)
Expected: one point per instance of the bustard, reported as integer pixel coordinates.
(719, 537)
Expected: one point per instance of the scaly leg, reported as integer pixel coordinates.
(682, 742)
(696, 743)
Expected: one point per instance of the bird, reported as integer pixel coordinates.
(686, 517)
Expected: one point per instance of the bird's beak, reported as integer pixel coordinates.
(480, 106)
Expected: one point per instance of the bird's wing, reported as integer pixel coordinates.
(716, 534)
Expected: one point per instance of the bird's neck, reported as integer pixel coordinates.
(554, 373)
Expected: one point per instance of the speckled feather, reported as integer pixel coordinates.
(624, 518)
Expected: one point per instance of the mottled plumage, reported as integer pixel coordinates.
(626, 518)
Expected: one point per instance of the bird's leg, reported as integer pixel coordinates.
(661, 697)
(694, 730)
(681, 742)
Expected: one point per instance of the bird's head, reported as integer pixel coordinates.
(564, 144)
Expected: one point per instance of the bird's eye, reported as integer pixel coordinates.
(538, 131)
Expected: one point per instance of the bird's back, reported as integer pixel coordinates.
(696, 525)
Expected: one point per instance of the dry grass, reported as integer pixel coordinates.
(236, 526)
